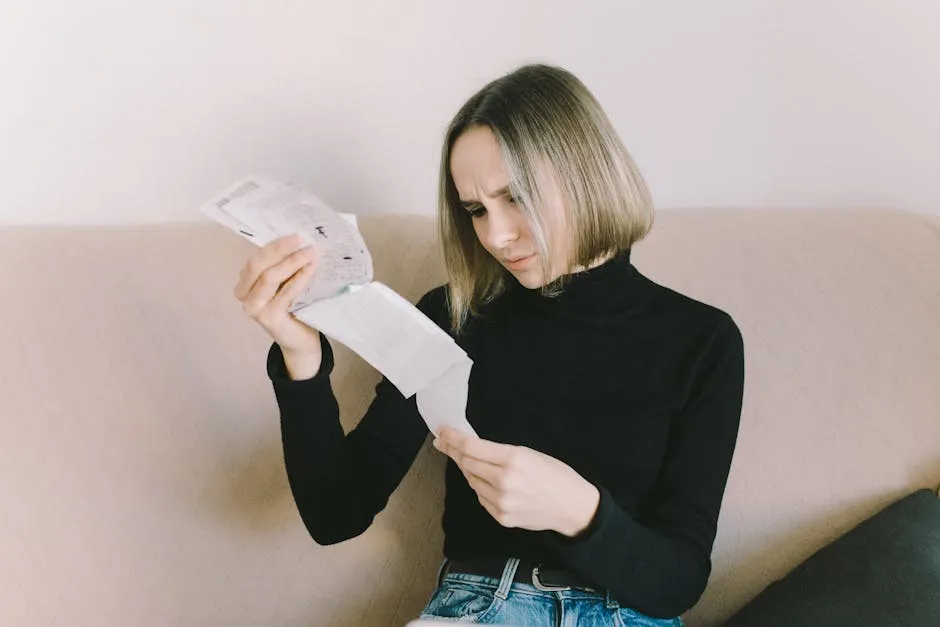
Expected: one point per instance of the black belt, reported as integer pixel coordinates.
(544, 578)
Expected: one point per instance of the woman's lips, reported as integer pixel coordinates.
(518, 262)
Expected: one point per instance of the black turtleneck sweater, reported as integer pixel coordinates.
(635, 386)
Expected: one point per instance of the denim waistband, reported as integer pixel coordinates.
(505, 584)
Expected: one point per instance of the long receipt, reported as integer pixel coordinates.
(343, 301)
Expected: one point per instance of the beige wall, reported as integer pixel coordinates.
(127, 112)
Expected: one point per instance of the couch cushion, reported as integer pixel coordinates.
(140, 451)
(886, 571)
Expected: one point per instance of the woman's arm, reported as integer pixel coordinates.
(658, 562)
(339, 481)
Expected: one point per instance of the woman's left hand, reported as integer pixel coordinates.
(521, 487)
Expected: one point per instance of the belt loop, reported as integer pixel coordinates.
(612, 603)
(442, 571)
(505, 582)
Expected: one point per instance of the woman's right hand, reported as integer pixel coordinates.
(270, 280)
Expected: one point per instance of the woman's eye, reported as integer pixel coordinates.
(512, 200)
(476, 212)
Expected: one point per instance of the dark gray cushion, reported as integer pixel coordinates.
(884, 572)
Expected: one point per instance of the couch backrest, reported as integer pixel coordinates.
(139, 446)
(840, 313)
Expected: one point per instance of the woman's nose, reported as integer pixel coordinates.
(503, 228)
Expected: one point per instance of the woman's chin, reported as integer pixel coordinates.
(529, 278)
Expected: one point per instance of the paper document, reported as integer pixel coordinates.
(443, 402)
(389, 333)
(345, 303)
(261, 209)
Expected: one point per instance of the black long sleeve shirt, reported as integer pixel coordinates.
(635, 386)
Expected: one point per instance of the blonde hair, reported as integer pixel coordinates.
(542, 116)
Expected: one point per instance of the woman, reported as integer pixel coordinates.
(607, 405)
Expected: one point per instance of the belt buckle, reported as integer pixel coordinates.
(537, 582)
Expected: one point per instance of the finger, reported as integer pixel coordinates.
(450, 451)
(271, 280)
(268, 255)
(292, 288)
(503, 518)
(455, 439)
(449, 434)
(469, 445)
(491, 473)
(484, 489)
(467, 464)
(263, 258)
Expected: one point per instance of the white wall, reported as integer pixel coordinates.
(115, 111)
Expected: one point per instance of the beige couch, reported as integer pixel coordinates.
(141, 468)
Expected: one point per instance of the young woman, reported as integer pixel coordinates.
(607, 405)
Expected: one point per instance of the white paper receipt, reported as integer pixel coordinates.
(343, 301)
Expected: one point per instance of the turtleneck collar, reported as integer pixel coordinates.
(613, 287)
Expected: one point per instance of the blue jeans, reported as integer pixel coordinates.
(480, 600)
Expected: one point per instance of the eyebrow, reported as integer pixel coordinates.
(502, 191)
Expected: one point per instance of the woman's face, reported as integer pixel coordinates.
(482, 182)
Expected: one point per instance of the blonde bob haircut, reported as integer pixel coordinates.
(555, 141)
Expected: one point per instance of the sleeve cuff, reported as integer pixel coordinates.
(277, 369)
(594, 530)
